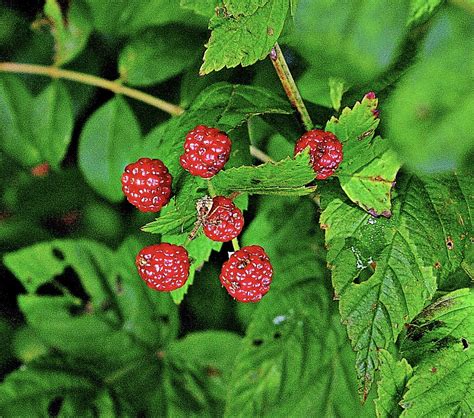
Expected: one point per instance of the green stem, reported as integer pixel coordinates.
(289, 85)
(210, 188)
(235, 244)
(92, 80)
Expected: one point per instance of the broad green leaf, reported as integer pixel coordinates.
(394, 376)
(202, 7)
(368, 169)
(449, 319)
(243, 33)
(154, 56)
(287, 177)
(52, 122)
(385, 270)
(429, 117)
(125, 17)
(422, 10)
(16, 137)
(199, 370)
(32, 389)
(442, 385)
(356, 40)
(112, 312)
(278, 222)
(109, 141)
(70, 33)
(295, 341)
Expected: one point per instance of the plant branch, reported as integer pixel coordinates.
(260, 155)
(289, 85)
(55, 72)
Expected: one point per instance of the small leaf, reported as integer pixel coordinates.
(15, 132)
(109, 141)
(368, 169)
(70, 34)
(392, 383)
(287, 178)
(244, 33)
(154, 56)
(422, 10)
(52, 122)
(337, 88)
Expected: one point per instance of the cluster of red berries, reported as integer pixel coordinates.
(147, 185)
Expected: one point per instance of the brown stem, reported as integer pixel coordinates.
(55, 72)
(289, 85)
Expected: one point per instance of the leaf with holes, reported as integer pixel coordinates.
(368, 169)
(243, 32)
(295, 340)
(106, 310)
(385, 270)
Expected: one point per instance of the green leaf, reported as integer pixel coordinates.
(70, 34)
(205, 8)
(16, 137)
(154, 56)
(336, 90)
(279, 221)
(109, 141)
(222, 105)
(356, 40)
(369, 167)
(430, 122)
(30, 390)
(439, 342)
(52, 122)
(422, 10)
(449, 319)
(422, 242)
(243, 33)
(295, 341)
(391, 386)
(125, 17)
(113, 313)
(199, 370)
(442, 385)
(287, 177)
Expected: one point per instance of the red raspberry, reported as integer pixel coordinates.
(147, 184)
(325, 151)
(164, 267)
(206, 150)
(224, 221)
(247, 274)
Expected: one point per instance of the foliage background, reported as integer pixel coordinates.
(81, 335)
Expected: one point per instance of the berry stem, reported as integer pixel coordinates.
(289, 85)
(210, 188)
(92, 80)
(235, 244)
(260, 155)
